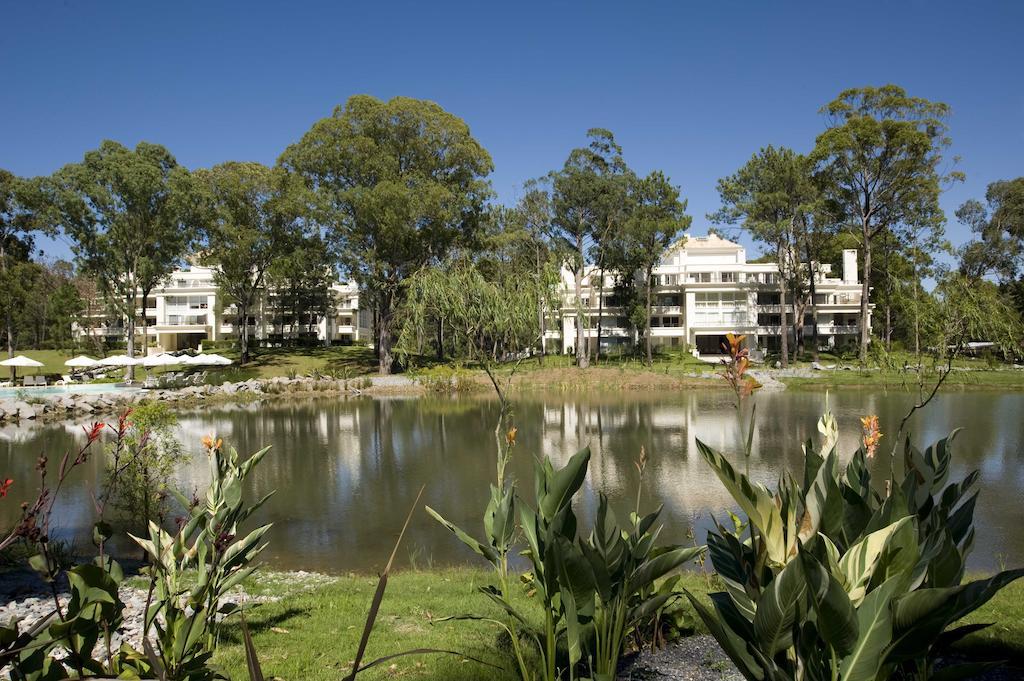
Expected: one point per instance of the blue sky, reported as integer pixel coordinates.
(692, 88)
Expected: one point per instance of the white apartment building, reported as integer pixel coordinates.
(704, 288)
(188, 309)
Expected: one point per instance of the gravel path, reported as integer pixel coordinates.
(699, 658)
(695, 658)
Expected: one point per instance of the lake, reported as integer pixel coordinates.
(347, 470)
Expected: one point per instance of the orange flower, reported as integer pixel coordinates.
(510, 436)
(212, 444)
(872, 434)
(5, 486)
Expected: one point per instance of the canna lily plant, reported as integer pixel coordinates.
(841, 582)
(593, 592)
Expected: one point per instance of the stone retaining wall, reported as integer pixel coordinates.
(82, 404)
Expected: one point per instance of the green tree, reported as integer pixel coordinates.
(879, 160)
(490, 310)
(399, 183)
(771, 197)
(142, 487)
(253, 214)
(998, 248)
(587, 200)
(655, 217)
(130, 213)
(533, 215)
(300, 283)
(20, 202)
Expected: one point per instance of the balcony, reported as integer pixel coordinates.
(185, 320)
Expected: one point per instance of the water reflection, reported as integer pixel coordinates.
(345, 471)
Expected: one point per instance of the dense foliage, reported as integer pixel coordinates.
(838, 576)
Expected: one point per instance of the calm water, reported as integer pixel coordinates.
(347, 471)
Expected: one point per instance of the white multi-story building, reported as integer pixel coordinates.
(188, 309)
(703, 289)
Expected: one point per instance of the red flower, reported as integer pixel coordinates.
(5, 486)
(93, 432)
(122, 421)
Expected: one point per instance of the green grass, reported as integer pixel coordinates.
(346, 361)
(313, 634)
(53, 361)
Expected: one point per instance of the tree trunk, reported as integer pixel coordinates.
(145, 324)
(542, 325)
(440, 340)
(600, 315)
(243, 334)
(385, 359)
(888, 294)
(865, 290)
(582, 361)
(8, 317)
(812, 269)
(647, 316)
(129, 371)
(541, 317)
(783, 323)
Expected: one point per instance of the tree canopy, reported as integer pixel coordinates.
(131, 216)
(879, 164)
(252, 215)
(398, 183)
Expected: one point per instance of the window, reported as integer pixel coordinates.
(729, 277)
(655, 322)
(667, 299)
(714, 308)
(700, 277)
(769, 319)
(767, 298)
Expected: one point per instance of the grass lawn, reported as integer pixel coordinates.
(313, 634)
(53, 362)
(346, 361)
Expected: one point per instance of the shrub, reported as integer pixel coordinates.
(838, 580)
(144, 484)
(593, 592)
(181, 623)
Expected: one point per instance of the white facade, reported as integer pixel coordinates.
(188, 309)
(703, 289)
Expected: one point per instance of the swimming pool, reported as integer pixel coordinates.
(80, 389)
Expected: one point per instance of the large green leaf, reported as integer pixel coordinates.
(479, 547)
(874, 625)
(858, 563)
(777, 608)
(921, 616)
(754, 499)
(823, 501)
(563, 484)
(655, 568)
(733, 643)
(836, 617)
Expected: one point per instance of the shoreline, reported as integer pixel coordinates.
(536, 381)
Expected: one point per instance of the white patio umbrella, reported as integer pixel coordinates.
(119, 361)
(21, 361)
(197, 360)
(80, 362)
(218, 360)
(163, 359)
